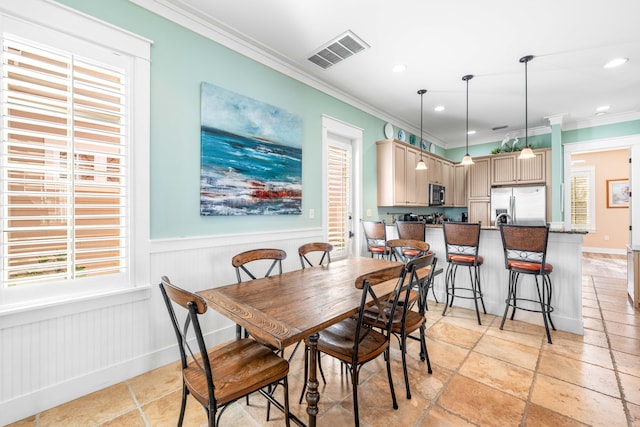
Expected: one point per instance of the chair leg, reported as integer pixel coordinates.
(549, 290)
(543, 308)
(473, 280)
(393, 392)
(510, 297)
(285, 385)
(354, 388)
(516, 277)
(403, 350)
(183, 405)
(447, 282)
(306, 373)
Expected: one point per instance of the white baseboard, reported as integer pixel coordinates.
(612, 251)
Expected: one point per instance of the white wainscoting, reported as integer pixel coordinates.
(52, 361)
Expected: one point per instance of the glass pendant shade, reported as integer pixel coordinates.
(421, 166)
(467, 160)
(526, 153)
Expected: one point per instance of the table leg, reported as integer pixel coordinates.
(313, 396)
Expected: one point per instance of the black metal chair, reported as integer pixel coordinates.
(353, 342)
(525, 252)
(269, 259)
(220, 376)
(307, 248)
(406, 320)
(461, 242)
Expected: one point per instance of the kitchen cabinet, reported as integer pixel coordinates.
(399, 183)
(508, 169)
(479, 191)
(447, 180)
(434, 166)
(459, 196)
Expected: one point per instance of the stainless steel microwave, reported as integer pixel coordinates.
(436, 195)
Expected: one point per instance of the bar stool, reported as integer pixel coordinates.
(525, 252)
(461, 241)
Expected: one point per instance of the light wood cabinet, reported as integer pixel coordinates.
(434, 166)
(508, 169)
(399, 184)
(479, 191)
(447, 180)
(459, 186)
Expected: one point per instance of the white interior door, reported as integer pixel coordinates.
(341, 195)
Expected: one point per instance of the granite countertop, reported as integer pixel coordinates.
(494, 228)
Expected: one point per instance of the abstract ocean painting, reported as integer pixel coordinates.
(251, 156)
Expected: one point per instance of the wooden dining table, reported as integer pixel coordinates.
(284, 309)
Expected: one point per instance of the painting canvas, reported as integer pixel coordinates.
(618, 193)
(251, 156)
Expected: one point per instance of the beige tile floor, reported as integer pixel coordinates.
(482, 376)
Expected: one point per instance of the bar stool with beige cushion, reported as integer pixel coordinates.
(462, 240)
(375, 234)
(525, 252)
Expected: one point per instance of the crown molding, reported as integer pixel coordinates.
(216, 31)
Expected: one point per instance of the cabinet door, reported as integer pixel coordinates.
(459, 186)
(435, 170)
(533, 170)
(503, 169)
(447, 178)
(478, 179)
(411, 160)
(399, 189)
(479, 211)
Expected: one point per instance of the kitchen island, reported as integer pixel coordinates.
(564, 252)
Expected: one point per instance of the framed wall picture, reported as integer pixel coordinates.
(617, 193)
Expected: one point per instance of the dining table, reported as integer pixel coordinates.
(284, 309)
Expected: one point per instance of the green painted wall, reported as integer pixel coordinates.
(181, 60)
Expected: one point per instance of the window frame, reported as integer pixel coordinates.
(90, 37)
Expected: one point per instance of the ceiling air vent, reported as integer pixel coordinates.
(337, 50)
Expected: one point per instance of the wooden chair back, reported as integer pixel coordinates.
(413, 230)
(240, 262)
(307, 248)
(406, 249)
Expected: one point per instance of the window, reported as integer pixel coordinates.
(339, 197)
(73, 153)
(63, 166)
(583, 198)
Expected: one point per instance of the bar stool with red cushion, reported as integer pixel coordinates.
(375, 234)
(525, 252)
(461, 242)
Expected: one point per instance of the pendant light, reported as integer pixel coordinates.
(526, 152)
(467, 160)
(421, 164)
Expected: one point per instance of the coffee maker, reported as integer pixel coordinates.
(464, 217)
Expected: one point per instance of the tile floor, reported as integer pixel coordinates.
(482, 376)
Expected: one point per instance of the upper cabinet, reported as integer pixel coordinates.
(478, 185)
(459, 198)
(399, 183)
(434, 166)
(508, 169)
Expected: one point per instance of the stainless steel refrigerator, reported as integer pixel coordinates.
(522, 205)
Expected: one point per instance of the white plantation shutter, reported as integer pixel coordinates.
(583, 198)
(63, 164)
(338, 197)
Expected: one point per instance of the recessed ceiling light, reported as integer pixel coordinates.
(471, 132)
(600, 113)
(602, 108)
(616, 62)
(399, 68)
(439, 108)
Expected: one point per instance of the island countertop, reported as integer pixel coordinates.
(564, 252)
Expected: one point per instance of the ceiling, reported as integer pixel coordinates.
(441, 41)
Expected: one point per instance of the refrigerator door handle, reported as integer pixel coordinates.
(512, 207)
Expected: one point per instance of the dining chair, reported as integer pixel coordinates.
(258, 260)
(353, 342)
(375, 234)
(221, 375)
(462, 241)
(525, 252)
(321, 247)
